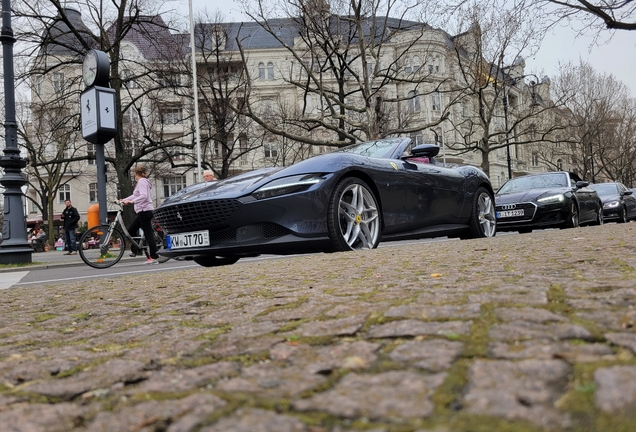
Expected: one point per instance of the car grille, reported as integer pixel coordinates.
(528, 213)
(196, 215)
(248, 233)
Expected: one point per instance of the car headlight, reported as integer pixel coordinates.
(611, 204)
(287, 185)
(552, 198)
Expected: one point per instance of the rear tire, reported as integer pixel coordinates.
(353, 217)
(482, 222)
(108, 250)
(215, 261)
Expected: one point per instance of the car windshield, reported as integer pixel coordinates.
(605, 189)
(534, 182)
(383, 148)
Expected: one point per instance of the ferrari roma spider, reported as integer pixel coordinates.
(349, 199)
(619, 203)
(550, 200)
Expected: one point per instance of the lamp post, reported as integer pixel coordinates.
(504, 100)
(14, 248)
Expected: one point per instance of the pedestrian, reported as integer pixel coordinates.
(142, 200)
(71, 217)
(208, 175)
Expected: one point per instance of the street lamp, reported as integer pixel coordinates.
(504, 100)
(14, 248)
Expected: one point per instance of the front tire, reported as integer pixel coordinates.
(623, 216)
(353, 217)
(573, 216)
(108, 249)
(483, 222)
(215, 261)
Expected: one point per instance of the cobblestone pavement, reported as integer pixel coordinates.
(517, 333)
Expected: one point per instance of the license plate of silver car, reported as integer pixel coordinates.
(509, 213)
(188, 240)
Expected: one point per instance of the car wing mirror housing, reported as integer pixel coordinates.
(628, 192)
(425, 150)
(581, 184)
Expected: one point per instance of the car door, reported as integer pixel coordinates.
(588, 199)
(629, 200)
(434, 194)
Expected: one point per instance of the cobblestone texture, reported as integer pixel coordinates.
(517, 333)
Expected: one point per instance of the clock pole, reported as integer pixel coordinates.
(97, 107)
(14, 248)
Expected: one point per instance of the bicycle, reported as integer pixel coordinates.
(103, 246)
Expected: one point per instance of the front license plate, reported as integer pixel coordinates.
(188, 240)
(509, 213)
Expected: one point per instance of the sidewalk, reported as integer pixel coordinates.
(520, 333)
(55, 258)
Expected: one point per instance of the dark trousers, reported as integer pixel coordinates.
(69, 238)
(143, 220)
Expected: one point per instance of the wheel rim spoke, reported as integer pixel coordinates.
(359, 217)
(487, 217)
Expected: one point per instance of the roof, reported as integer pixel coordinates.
(60, 40)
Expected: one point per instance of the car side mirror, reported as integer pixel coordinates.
(581, 184)
(628, 192)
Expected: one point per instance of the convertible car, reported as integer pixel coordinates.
(349, 199)
(619, 203)
(551, 200)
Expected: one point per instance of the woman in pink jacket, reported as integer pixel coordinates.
(142, 200)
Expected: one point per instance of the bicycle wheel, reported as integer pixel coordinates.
(104, 249)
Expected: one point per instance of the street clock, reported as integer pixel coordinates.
(96, 69)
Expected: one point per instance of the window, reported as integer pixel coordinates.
(416, 63)
(407, 65)
(37, 84)
(176, 152)
(127, 79)
(58, 81)
(171, 115)
(129, 147)
(436, 101)
(557, 144)
(271, 150)
(266, 73)
(92, 192)
(64, 193)
(560, 165)
(535, 159)
(243, 146)
(417, 138)
(172, 185)
(131, 117)
(413, 102)
(90, 152)
(433, 66)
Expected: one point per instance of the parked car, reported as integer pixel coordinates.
(619, 202)
(551, 200)
(345, 200)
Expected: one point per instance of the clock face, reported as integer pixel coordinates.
(89, 68)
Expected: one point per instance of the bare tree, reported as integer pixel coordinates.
(503, 107)
(349, 81)
(611, 14)
(144, 54)
(600, 123)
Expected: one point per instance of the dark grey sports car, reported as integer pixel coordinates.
(346, 200)
(551, 200)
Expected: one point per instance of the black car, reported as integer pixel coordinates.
(551, 200)
(619, 202)
(345, 200)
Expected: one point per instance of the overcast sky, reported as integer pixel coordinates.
(617, 57)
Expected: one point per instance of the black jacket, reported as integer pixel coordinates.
(71, 218)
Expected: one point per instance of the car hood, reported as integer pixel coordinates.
(232, 187)
(528, 195)
(612, 197)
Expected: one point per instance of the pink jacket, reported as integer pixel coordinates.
(142, 196)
